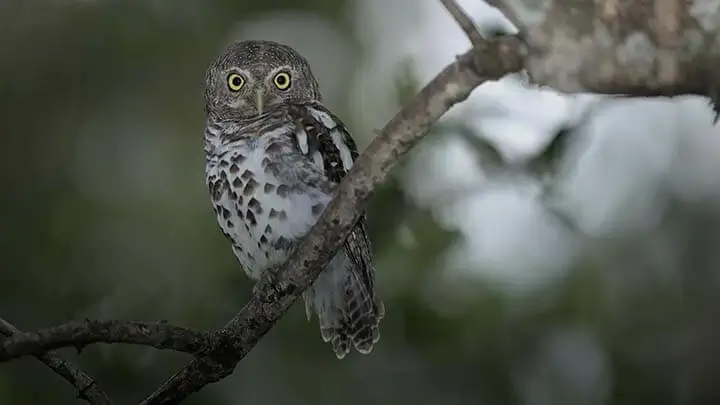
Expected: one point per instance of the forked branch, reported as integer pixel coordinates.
(85, 385)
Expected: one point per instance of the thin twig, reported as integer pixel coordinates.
(464, 21)
(79, 334)
(505, 7)
(86, 386)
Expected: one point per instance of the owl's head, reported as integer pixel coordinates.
(251, 77)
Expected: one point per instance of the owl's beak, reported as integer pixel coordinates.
(259, 100)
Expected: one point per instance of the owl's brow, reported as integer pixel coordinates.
(246, 74)
(283, 68)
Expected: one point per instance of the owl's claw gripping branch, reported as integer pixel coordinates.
(271, 280)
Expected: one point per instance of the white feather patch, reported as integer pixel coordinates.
(302, 140)
(319, 161)
(345, 155)
(323, 117)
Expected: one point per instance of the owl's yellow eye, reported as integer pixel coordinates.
(235, 81)
(282, 80)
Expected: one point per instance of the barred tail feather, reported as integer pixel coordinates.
(359, 328)
(349, 315)
(360, 324)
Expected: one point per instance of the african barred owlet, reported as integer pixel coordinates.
(274, 155)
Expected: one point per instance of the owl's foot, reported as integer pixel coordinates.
(270, 280)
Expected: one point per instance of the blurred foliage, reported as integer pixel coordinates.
(105, 214)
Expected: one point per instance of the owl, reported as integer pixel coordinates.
(274, 156)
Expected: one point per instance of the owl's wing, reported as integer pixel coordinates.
(327, 142)
(321, 135)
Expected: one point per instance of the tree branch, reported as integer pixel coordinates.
(464, 21)
(79, 334)
(623, 47)
(86, 386)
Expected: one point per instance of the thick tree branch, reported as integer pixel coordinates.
(86, 386)
(624, 47)
(79, 334)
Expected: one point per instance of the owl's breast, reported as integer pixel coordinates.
(262, 203)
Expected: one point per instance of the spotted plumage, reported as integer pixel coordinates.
(274, 155)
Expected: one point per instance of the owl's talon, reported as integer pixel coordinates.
(274, 275)
(271, 280)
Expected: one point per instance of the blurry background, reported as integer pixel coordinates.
(498, 292)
